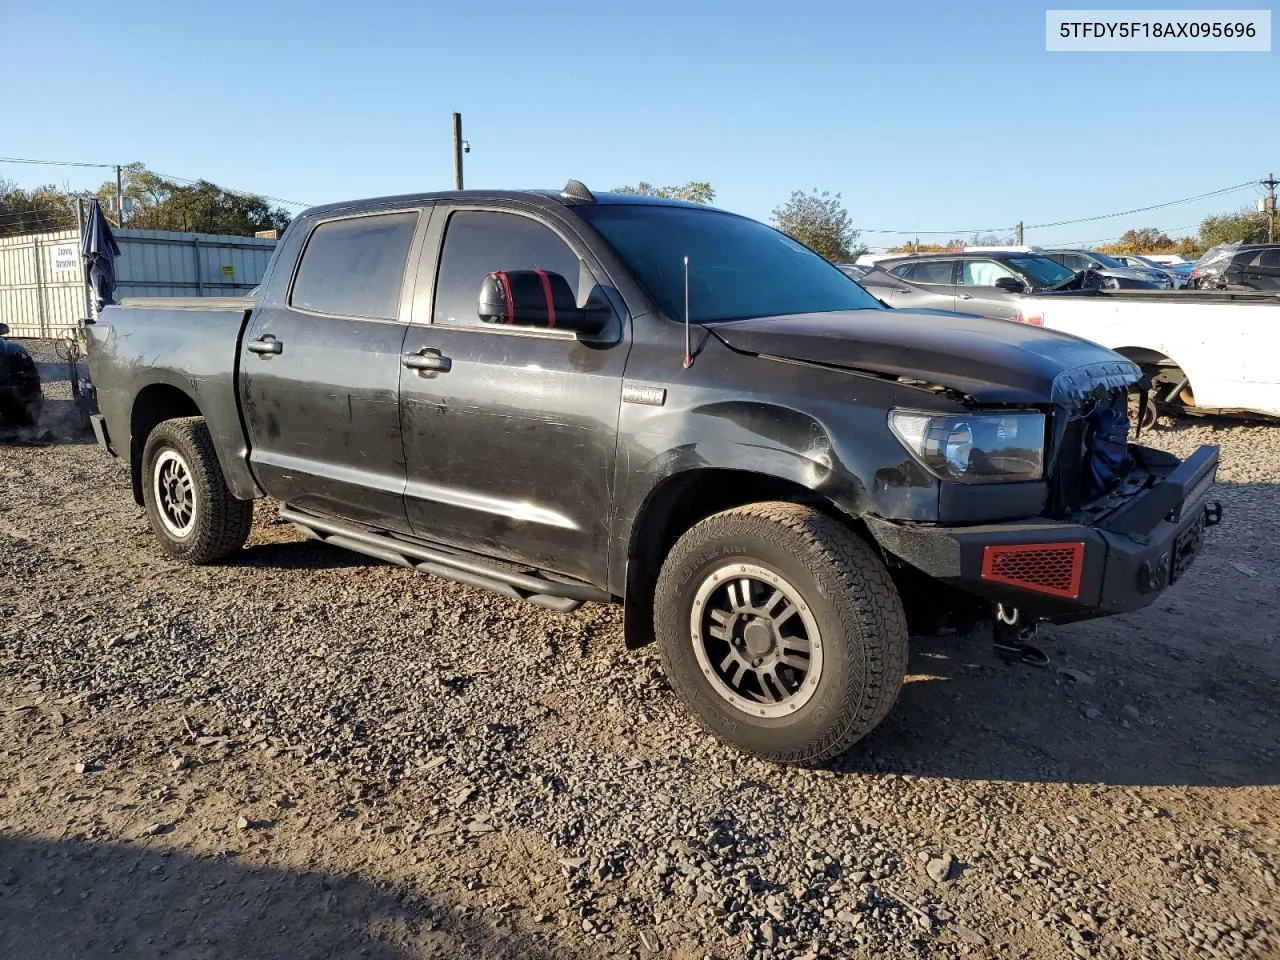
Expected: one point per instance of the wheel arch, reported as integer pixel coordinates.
(153, 405)
(1154, 362)
(677, 503)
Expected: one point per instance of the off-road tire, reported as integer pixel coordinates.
(851, 596)
(220, 521)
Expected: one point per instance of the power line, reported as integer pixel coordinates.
(243, 193)
(1154, 206)
(165, 176)
(58, 163)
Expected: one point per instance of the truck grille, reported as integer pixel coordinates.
(1092, 457)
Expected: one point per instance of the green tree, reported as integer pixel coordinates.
(200, 207)
(1143, 240)
(39, 210)
(820, 222)
(1244, 226)
(1188, 247)
(695, 191)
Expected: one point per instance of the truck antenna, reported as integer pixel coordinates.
(688, 350)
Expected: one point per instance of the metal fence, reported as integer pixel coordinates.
(42, 281)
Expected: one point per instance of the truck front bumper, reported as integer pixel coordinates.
(1115, 555)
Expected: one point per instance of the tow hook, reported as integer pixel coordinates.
(1010, 634)
(1213, 513)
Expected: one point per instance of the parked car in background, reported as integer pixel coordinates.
(989, 283)
(1108, 266)
(1247, 266)
(20, 395)
(1146, 263)
(1182, 270)
(854, 270)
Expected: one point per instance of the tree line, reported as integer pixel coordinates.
(819, 220)
(157, 204)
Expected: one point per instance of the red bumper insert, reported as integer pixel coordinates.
(1052, 568)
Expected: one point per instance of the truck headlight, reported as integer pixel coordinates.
(974, 448)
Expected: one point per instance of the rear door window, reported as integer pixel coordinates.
(355, 267)
(931, 271)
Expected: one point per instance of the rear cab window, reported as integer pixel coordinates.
(354, 267)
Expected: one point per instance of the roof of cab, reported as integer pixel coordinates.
(564, 197)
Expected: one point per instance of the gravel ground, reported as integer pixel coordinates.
(302, 752)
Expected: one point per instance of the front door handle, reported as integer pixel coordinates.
(427, 362)
(266, 348)
(964, 296)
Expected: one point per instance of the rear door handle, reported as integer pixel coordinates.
(964, 296)
(427, 362)
(266, 348)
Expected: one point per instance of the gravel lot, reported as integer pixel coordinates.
(303, 752)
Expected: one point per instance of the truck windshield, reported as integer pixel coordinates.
(738, 268)
(1043, 271)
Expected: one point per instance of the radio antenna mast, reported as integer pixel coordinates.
(688, 348)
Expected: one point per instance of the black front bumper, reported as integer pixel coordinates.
(1127, 548)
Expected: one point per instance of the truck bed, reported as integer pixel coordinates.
(1252, 297)
(174, 347)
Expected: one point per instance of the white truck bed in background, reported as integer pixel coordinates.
(1227, 346)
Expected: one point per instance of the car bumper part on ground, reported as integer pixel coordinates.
(1064, 571)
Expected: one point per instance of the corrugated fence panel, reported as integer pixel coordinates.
(41, 282)
(40, 297)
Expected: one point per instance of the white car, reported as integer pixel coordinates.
(1208, 352)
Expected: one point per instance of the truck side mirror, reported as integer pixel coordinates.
(537, 298)
(1010, 285)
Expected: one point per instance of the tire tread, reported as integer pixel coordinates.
(222, 527)
(867, 599)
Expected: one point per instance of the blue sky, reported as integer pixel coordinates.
(925, 116)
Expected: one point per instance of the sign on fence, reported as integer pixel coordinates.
(66, 257)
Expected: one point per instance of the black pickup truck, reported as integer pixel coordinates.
(572, 397)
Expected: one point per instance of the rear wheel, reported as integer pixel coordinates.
(191, 509)
(781, 631)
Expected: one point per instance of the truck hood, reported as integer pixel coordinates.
(986, 360)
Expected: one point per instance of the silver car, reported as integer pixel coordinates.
(1107, 266)
(1133, 260)
(991, 284)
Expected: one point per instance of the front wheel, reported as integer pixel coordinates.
(781, 630)
(192, 511)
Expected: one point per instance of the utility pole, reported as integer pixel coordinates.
(1271, 183)
(1019, 233)
(119, 196)
(457, 151)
